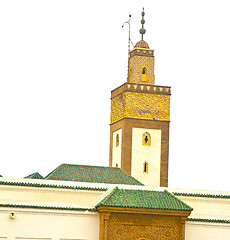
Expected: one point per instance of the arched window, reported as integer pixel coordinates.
(117, 140)
(144, 77)
(146, 139)
(145, 167)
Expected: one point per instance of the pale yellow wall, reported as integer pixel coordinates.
(48, 196)
(206, 207)
(150, 154)
(116, 156)
(47, 224)
(207, 231)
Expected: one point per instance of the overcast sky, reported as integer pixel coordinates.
(59, 60)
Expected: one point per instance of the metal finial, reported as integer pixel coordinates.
(142, 30)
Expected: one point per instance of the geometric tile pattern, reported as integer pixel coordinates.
(141, 106)
(134, 226)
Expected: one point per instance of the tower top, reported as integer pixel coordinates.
(142, 30)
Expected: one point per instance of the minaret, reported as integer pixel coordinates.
(139, 126)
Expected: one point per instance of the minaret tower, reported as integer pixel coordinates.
(139, 126)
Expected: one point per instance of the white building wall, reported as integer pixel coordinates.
(208, 208)
(150, 154)
(116, 155)
(48, 224)
(207, 231)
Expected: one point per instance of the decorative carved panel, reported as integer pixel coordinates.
(141, 106)
(146, 227)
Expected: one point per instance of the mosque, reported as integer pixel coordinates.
(130, 199)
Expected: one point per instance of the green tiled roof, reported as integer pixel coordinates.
(47, 207)
(205, 195)
(42, 185)
(35, 175)
(143, 199)
(93, 174)
(208, 220)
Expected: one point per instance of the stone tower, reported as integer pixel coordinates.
(139, 125)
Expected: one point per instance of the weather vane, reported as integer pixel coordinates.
(129, 32)
(142, 30)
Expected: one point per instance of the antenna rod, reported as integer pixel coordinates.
(128, 44)
(129, 36)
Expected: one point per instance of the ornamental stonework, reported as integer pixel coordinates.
(134, 226)
(141, 106)
(136, 64)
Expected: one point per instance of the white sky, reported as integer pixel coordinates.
(59, 60)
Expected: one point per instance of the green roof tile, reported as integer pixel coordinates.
(93, 174)
(208, 220)
(47, 207)
(35, 175)
(143, 199)
(42, 185)
(204, 195)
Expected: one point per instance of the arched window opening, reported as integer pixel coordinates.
(144, 77)
(146, 139)
(145, 167)
(117, 140)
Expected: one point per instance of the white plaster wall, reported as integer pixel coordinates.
(150, 154)
(207, 231)
(48, 196)
(208, 208)
(47, 224)
(116, 156)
